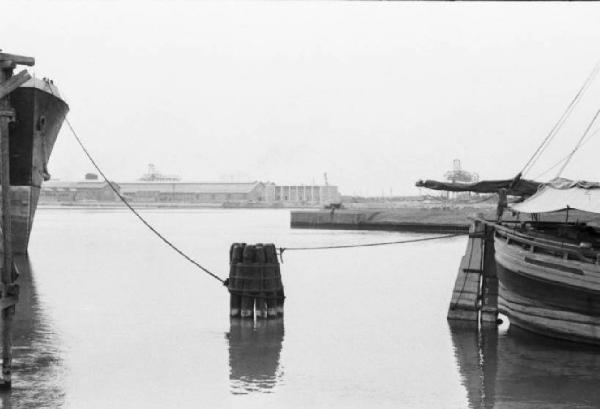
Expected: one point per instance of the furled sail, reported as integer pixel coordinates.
(514, 187)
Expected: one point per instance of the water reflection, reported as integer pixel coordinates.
(475, 353)
(254, 350)
(520, 369)
(37, 368)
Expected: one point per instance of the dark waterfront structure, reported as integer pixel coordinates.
(40, 112)
(31, 114)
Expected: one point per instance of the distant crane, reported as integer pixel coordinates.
(457, 174)
(154, 175)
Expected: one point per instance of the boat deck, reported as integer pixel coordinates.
(577, 241)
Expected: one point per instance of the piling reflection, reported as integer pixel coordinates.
(254, 351)
(37, 367)
(520, 369)
(475, 353)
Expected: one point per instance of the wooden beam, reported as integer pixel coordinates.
(17, 59)
(6, 275)
(13, 83)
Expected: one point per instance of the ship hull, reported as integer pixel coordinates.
(547, 294)
(39, 114)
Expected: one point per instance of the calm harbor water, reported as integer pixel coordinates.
(110, 317)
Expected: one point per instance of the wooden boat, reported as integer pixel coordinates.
(549, 273)
(39, 114)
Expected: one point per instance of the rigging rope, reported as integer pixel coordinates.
(148, 225)
(587, 139)
(542, 147)
(579, 143)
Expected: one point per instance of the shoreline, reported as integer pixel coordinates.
(154, 205)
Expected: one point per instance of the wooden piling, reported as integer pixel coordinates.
(235, 257)
(248, 283)
(7, 313)
(280, 294)
(272, 280)
(489, 284)
(475, 294)
(255, 282)
(261, 300)
(465, 296)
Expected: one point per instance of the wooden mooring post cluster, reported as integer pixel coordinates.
(255, 284)
(475, 294)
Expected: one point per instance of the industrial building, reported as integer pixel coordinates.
(301, 194)
(190, 192)
(154, 188)
(84, 191)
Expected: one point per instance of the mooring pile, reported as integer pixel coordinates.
(255, 281)
(475, 295)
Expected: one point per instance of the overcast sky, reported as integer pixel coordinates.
(376, 94)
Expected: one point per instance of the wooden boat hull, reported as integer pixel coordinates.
(39, 112)
(547, 294)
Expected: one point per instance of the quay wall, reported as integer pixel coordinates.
(409, 220)
(418, 219)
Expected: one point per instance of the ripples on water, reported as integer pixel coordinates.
(254, 350)
(109, 317)
(37, 359)
(515, 368)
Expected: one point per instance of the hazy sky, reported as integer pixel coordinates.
(376, 94)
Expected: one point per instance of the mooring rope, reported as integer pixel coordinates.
(381, 243)
(146, 223)
(194, 262)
